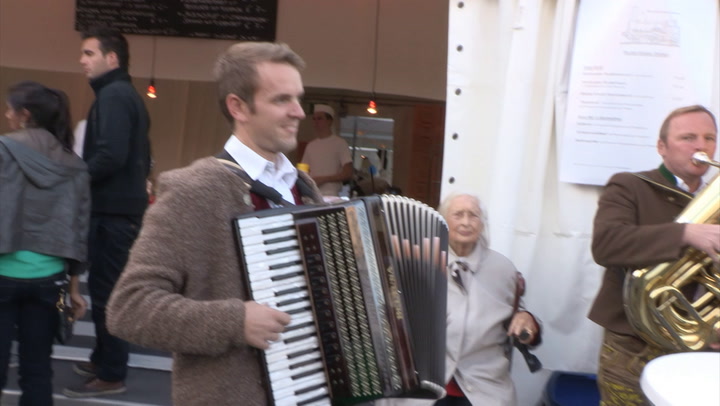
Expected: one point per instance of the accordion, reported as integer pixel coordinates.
(365, 284)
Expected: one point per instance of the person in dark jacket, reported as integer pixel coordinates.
(117, 152)
(44, 220)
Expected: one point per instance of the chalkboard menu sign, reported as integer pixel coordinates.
(249, 20)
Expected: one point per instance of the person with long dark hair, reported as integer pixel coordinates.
(44, 221)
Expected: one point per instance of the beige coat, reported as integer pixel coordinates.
(475, 331)
(182, 289)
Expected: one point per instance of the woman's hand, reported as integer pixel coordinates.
(77, 302)
(523, 322)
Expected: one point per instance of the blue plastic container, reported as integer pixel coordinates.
(571, 389)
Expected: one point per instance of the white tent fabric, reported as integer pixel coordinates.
(508, 65)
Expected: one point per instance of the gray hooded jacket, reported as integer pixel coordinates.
(44, 198)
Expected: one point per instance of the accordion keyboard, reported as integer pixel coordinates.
(277, 279)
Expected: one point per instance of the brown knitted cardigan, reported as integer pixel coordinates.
(182, 290)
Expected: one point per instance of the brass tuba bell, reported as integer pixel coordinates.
(654, 302)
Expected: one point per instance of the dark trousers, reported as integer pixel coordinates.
(29, 306)
(110, 240)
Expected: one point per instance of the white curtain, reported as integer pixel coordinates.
(508, 66)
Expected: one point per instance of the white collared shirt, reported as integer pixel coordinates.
(280, 175)
(683, 186)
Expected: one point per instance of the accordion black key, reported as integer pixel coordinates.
(365, 284)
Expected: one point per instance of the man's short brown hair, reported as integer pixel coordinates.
(680, 111)
(236, 69)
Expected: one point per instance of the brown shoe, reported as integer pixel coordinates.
(84, 369)
(95, 387)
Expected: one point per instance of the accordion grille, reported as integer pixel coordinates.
(347, 297)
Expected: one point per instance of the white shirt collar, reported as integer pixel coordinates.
(280, 175)
(683, 186)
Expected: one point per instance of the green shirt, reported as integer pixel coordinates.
(29, 265)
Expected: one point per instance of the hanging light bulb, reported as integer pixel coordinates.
(372, 106)
(151, 91)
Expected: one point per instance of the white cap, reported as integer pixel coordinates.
(324, 108)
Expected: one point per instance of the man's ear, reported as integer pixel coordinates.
(112, 59)
(661, 147)
(238, 108)
(25, 116)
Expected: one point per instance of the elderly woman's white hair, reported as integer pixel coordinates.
(484, 238)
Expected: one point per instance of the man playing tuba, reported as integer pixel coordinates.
(634, 228)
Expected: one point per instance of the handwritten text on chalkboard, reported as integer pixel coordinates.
(250, 20)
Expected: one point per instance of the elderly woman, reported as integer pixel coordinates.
(482, 315)
(481, 299)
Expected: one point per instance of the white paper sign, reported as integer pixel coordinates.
(633, 62)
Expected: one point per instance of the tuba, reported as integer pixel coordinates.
(654, 301)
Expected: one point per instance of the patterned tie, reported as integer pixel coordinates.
(457, 268)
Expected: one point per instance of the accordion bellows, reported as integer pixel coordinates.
(366, 286)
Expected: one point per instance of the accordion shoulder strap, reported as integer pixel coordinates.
(256, 186)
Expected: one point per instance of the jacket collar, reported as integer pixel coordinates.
(474, 260)
(665, 172)
(659, 180)
(109, 77)
(309, 194)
